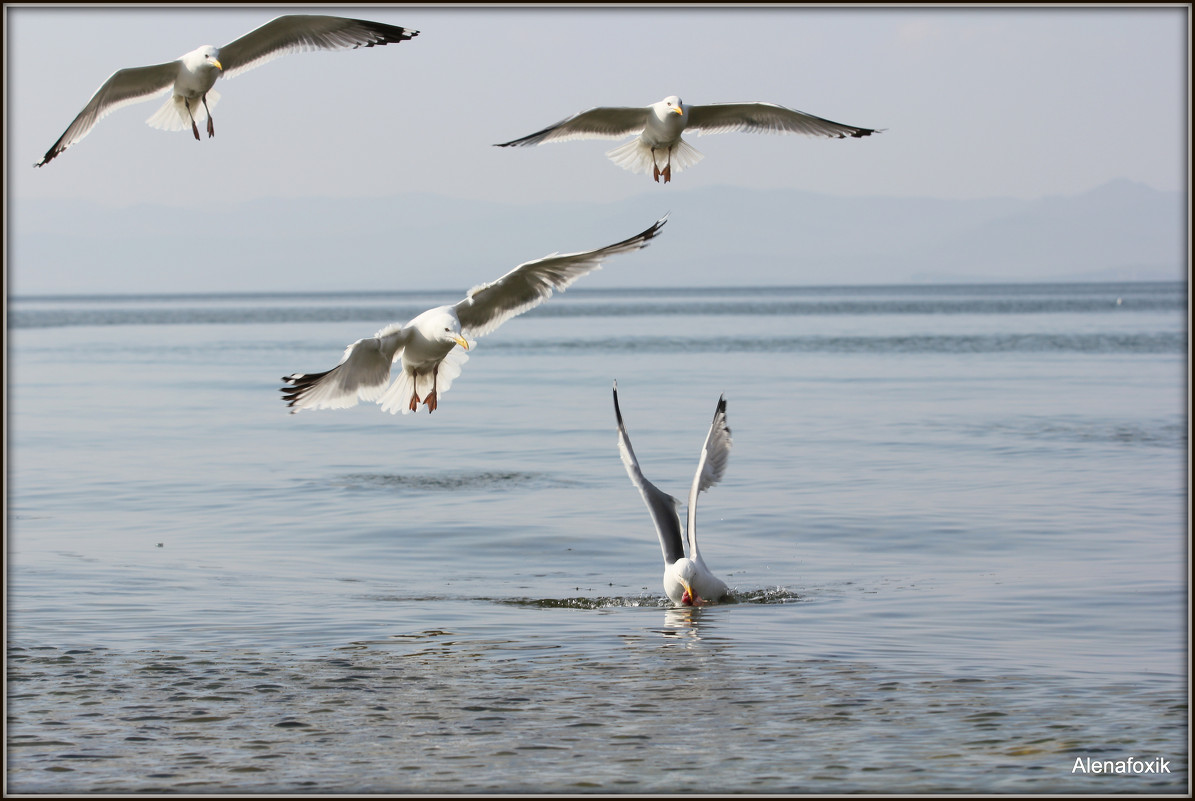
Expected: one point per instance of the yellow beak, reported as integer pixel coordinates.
(464, 343)
(679, 110)
(219, 66)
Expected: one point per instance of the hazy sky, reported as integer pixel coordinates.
(1020, 102)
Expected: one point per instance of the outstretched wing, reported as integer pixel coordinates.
(766, 118)
(609, 122)
(296, 33)
(123, 88)
(663, 507)
(490, 305)
(715, 454)
(363, 373)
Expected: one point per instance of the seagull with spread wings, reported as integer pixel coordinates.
(426, 345)
(687, 581)
(190, 77)
(660, 125)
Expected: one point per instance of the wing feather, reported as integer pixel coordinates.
(489, 305)
(715, 454)
(123, 88)
(297, 33)
(664, 509)
(766, 118)
(607, 122)
(363, 373)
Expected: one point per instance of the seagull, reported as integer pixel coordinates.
(427, 344)
(192, 75)
(661, 124)
(687, 581)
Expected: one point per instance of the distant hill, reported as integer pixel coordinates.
(716, 236)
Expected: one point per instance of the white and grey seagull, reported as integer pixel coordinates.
(426, 345)
(660, 125)
(687, 581)
(190, 77)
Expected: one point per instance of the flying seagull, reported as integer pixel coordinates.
(190, 77)
(427, 344)
(660, 125)
(687, 581)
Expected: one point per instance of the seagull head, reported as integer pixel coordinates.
(203, 61)
(211, 56)
(670, 105)
(446, 327)
(684, 571)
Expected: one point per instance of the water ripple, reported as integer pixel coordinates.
(560, 720)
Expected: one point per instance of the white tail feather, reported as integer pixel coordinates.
(398, 397)
(636, 156)
(172, 116)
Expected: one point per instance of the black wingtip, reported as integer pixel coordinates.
(298, 386)
(651, 233)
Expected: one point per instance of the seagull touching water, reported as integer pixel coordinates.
(660, 125)
(190, 77)
(427, 344)
(687, 581)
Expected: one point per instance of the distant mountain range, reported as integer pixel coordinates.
(716, 236)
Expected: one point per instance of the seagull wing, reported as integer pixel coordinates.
(297, 33)
(663, 507)
(490, 305)
(597, 123)
(766, 118)
(123, 88)
(363, 373)
(715, 454)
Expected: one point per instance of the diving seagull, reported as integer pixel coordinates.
(190, 77)
(687, 581)
(427, 344)
(660, 125)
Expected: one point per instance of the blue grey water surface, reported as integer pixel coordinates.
(955, 519)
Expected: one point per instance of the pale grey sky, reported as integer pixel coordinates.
(1006, 102)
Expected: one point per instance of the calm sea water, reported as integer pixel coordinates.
(956, 519)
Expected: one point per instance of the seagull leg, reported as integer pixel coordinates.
(668, 168)
(211, 126)
(655, 167)
(430, 400)
(194, 127)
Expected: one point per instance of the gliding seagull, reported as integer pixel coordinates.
(427, 344)
(687, 581)
(660, 125)
(191, 76)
